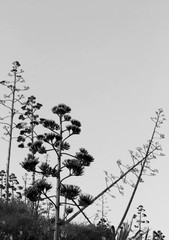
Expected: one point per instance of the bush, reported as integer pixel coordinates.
(17, 220)
(84, 232)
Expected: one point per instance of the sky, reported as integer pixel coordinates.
(107, 60)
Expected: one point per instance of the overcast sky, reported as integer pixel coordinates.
(109, 61)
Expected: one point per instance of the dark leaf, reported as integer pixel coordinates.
(67, 117)
(74, 166)
(50, 124)
(76, 123)
(21, 117)
(43, 185)
(32, 194)
(30, 163)
(73, 129)
(85, 200)
(70, 191)
(65, 146)
(46, 169)
(21, 145)
(84, 157)
(61, 109)
(69, 210)
(20, 139)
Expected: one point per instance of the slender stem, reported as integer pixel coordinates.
(131, 198)
(49, 198)
(108, 188)
(10, 137)
(139, 177)
(57, 212)
(81, 211)
(65, 205)
(67, 137)
(69, 155)
(32, 138)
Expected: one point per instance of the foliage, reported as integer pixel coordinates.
(15, 190)
(85, 232)
(158, 235)
(16, 220)
(123, 232)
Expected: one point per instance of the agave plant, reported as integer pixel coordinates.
(124, 231)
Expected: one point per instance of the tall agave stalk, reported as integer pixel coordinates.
(9, 102)
(12, 113)
(66, 164)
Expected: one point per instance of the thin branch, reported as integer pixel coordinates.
(139, 177)
(70, 155)
(5, 105)
(49, 198)
(70, 175)
(4, 123)
(106, 189)
(67, 137)
(81, 211)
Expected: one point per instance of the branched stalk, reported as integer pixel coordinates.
(10, 137)
(142, 162)
(11, 100)
(106, 189)
(139, 177)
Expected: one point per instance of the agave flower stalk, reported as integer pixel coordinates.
(29, 121)
(9, 102)
(150, 148)
(151, 151)
(66, 165)
(11, 130)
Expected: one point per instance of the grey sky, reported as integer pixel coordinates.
(108, 60)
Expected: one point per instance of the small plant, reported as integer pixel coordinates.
(15, 190)
(158, 235)
(140, 219)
